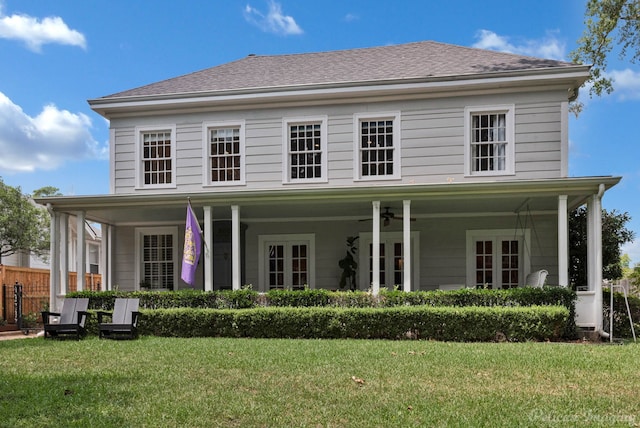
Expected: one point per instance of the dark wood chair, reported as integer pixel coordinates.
(70, 321)
(124, 320)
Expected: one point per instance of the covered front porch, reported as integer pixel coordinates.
(413, 236)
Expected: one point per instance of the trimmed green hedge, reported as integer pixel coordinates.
(224, 299)
(411, 322)
(441, 315)
(247, 298)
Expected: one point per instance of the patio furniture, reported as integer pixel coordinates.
(536, 279)
(124, 320)
(70, 321)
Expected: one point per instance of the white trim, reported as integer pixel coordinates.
(509, 111)
(564, 139)
(112, 163)
(366, 238)
(139, 130)
(139, 231)
(524, 240)
(206, 164)
(397, 146)
(287, 239)
(375, 251)
(406, 242)
(236, 273)
(324, 139)
(563, 241)
(81, 253)
(208, 244)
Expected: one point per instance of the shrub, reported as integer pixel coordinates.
(223, 299)
(262, 321)
(416, 322)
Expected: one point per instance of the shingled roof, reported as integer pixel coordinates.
(412, 61)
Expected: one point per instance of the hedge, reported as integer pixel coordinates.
(441, 315)
(247, 298)
(412, 322)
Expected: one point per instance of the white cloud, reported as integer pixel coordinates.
(35, 33)
(626, 83)
(274, 21)
(46, 141)
(549, 47)
(350, 17)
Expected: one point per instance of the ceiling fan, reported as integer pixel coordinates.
(387, 216)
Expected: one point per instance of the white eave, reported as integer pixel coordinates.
(106, 208)
(569, 78)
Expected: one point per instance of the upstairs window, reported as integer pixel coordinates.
(305, 150)
(378, 146)
(156, 166)
(225, 148)
(489, 134)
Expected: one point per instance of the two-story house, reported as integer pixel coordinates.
(449, 164)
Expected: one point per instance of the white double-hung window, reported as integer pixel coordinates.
(377, 146)
(156, 156)
(489, 140)
(224, 146)
(305, 149)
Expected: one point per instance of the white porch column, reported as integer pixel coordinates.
(563, 241)
(63, 251)
(54, 254)
(81, 252)
(105, 256)
(375, 251)
(236, 275)
(594, 253)
(406, 242)
(208, 245)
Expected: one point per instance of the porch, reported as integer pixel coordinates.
(295, 237)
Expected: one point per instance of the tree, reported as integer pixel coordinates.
(614, 235)
(46, 191)
(608, 23)
(23, 225)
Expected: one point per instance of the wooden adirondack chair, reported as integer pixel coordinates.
(71, 320)
(124, 320)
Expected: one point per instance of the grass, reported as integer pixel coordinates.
(212, 382)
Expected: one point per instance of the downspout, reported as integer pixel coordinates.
(598, 302)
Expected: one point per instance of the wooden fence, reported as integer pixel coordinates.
(35, 291)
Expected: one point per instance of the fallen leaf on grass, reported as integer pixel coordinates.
(410, 408)
(357, 380)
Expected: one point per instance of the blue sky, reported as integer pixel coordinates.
(57, 54)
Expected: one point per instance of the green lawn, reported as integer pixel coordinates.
(154, 382)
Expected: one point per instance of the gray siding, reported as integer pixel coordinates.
(432, 141)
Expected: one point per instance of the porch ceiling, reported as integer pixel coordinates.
(456, 199)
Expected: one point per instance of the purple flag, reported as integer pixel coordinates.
(192, 244)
